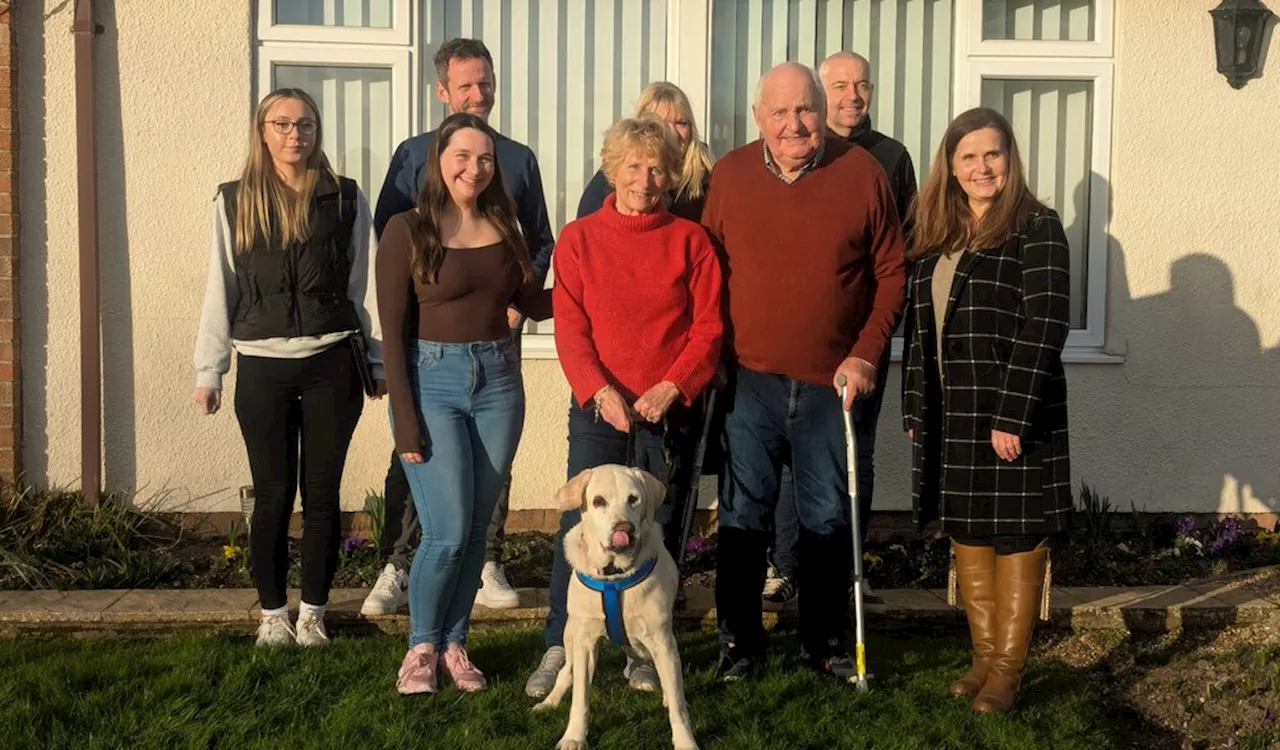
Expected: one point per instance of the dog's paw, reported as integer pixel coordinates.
(566, 744)
(545, 706)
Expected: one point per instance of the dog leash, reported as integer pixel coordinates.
(611, 593)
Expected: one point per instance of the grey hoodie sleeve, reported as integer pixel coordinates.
(362, 286)
(221, 296)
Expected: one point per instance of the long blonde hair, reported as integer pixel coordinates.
(265, 205)
(943, 221)
(698, 162)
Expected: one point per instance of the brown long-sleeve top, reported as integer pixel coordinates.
(467, 302)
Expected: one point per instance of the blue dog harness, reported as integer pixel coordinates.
(611, 593)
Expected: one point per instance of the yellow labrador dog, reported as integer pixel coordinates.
(621, 568)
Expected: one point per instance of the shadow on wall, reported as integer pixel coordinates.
(1201, 395)
(119, 433)
(115, 281)
(34, 238)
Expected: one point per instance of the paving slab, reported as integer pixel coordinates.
(58, 606)
(182, 606)
(1102, 597)
(1148, 608)
(906, 601)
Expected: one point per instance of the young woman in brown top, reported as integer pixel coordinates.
(454, 263)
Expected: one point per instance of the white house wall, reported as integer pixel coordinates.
(1187, 422)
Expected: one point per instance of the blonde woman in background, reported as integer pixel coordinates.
(687, 191)
(289, 288)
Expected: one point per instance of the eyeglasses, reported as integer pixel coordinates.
(285, 127)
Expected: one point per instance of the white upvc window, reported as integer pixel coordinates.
(364, 97)
(1047, 66)
(336, 21)
(566, 69)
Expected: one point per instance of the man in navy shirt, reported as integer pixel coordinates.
(464, 83)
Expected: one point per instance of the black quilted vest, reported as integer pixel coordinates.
(300, 290)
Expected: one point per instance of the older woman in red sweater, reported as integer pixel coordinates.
(638, 329)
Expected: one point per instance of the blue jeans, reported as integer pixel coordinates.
(471, 402)
(768, 418)
(786, 521)
(594, 443)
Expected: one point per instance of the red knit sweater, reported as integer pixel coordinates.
(637, 302)
(815, 267)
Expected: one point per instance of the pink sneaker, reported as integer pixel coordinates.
(418, 671)
(458, 667)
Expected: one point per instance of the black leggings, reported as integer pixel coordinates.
(1005, 544)
(281, 403)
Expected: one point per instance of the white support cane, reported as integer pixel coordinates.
(851, 452)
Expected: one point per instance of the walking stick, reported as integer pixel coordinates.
(691, 500)
(851, 451)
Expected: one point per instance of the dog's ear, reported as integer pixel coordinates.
(573, 495)
(655, 494)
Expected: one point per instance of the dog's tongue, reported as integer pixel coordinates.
(620, 539)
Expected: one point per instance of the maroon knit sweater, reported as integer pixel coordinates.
(637, 302)
(814, 268)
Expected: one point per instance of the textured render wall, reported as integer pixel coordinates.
(1191, 420)
(1188, 422)
(174, 89)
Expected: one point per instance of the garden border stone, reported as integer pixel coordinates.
(1142, 609)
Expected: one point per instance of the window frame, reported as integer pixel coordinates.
(398, 61)
(977, 60)
(969, 30)
(1101, 75)
(399, 33)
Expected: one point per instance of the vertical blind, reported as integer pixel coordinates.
(355, 108)
(565, 72)
(1053, 122)
(1038, 20)
(909, 44)
(355, 13)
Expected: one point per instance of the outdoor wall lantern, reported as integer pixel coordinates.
(1238, 29)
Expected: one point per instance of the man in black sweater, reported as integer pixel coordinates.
(846, 76)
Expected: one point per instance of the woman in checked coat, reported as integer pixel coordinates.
(985, 398)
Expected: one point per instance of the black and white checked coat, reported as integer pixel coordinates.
(1006, 323)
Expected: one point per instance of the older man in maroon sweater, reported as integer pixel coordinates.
(813, 260)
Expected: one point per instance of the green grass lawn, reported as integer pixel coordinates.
(204, 692)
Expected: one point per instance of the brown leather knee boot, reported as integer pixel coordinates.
(1019, 584)
(976, 577)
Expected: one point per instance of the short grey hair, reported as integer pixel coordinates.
(819, 92)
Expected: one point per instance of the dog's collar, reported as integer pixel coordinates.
(611, 592)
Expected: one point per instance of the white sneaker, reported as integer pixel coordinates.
(495, 592)
(779, 591)
(311, 631)
(390, 592)
(275, 630)
(641, 675)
